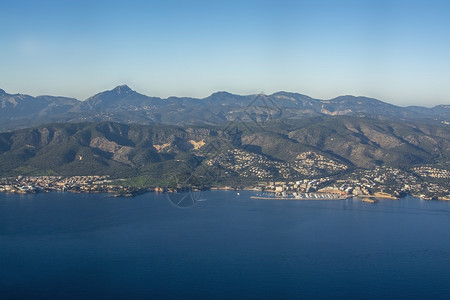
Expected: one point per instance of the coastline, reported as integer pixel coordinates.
(299, 199)
(135, 192)
(383, 196)
(103, 184)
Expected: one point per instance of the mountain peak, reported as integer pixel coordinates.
(122, 89)
(2, 92)
(221, 94)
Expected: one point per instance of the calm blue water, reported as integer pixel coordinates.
(62, 245)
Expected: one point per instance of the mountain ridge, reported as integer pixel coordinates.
(131, 149)
(124, 88)
(124, 105)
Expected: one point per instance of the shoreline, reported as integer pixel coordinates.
(299, 199)
(390, 197)
(159, 190)
(103, 184)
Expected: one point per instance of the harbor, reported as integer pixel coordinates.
(305, 196)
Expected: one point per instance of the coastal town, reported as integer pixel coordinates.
(75, 184)
(250, 165)
(315, 173)
(382, 182)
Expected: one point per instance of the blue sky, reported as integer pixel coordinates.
(396, 51)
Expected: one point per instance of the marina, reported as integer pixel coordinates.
(305, 196)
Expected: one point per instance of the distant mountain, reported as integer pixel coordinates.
(124, 105)
(22, 110)
(120, 98)
(124, 150)
(440, 112)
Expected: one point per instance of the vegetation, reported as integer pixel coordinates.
(150, 155)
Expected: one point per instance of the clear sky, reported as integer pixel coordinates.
(396, 51)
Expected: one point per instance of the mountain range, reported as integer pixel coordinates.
(125, 134)
(125, 150)
(123, 105)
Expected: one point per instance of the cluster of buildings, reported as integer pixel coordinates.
(383, 182)
(251, 165)
(391, 182)
(325, 175)
(426, 171)
(245, 164)
(322, 176)
(299, 186)
(33, 184)
(313, 164)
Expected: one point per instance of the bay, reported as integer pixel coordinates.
(62, 245)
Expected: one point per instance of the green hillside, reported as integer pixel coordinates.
(159, 152)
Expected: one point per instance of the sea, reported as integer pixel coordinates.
(225, 245)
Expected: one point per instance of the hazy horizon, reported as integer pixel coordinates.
(203, 97)
(394, 51)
